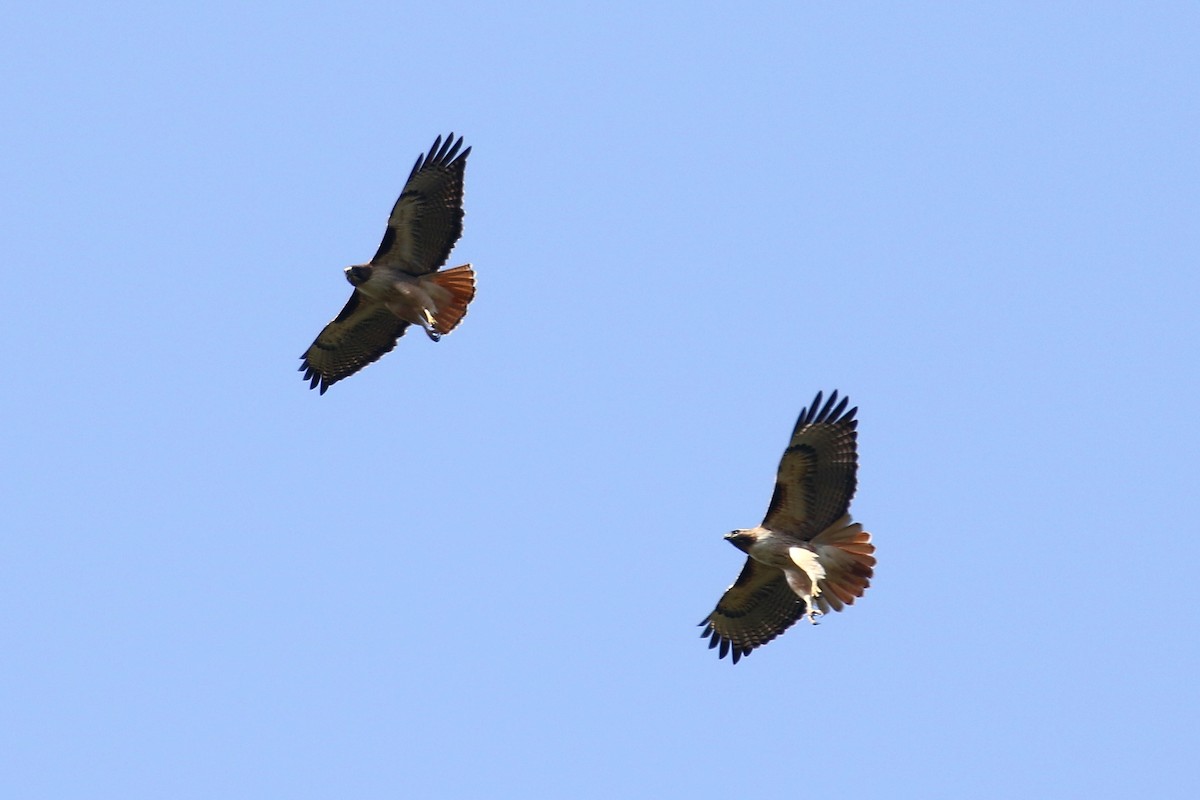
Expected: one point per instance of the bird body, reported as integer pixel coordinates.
(403, 284)
(807, 557)
(436, 301)
(798, 559)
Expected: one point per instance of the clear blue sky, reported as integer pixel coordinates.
(476, 568)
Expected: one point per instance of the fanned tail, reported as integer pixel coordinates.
(846, 553)
(459, 285)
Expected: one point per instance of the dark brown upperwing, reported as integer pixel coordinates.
(359, 335)
(427, 218)
(818, 472)
(754, 610)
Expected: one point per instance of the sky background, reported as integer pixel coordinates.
(475, 569)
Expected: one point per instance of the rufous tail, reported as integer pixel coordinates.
(848, 557)
(459, 284)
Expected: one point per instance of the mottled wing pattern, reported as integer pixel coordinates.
(818, 472)
(754, 610)
(427, 218)
(359, 335)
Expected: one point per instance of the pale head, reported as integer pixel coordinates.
(742, 539)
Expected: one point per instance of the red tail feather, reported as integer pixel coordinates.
(459, 284)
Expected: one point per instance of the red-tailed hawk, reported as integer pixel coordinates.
(806, 557)
(401, 285)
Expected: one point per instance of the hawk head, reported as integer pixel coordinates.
(741, 539)
(358, 275)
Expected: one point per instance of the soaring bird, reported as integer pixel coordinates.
(806, 557)
(401, 285)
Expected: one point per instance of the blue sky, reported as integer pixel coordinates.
(476, 568)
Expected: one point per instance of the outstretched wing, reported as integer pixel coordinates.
(757, 608)
(818, 472)
(359, 335)
(427, 218)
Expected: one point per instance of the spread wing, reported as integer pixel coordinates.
(359, 335)
(754, 610)
(818, 472)
(427, 218)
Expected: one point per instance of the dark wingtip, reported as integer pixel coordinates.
(443, 152)
(310, 375)
(449, 152)
(831, 411)
(727, 646)
(824, 413)
(840, 407)
(807, 415)
(437, 143)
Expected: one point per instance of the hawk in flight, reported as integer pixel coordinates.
(401, 285)
(806, 557)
